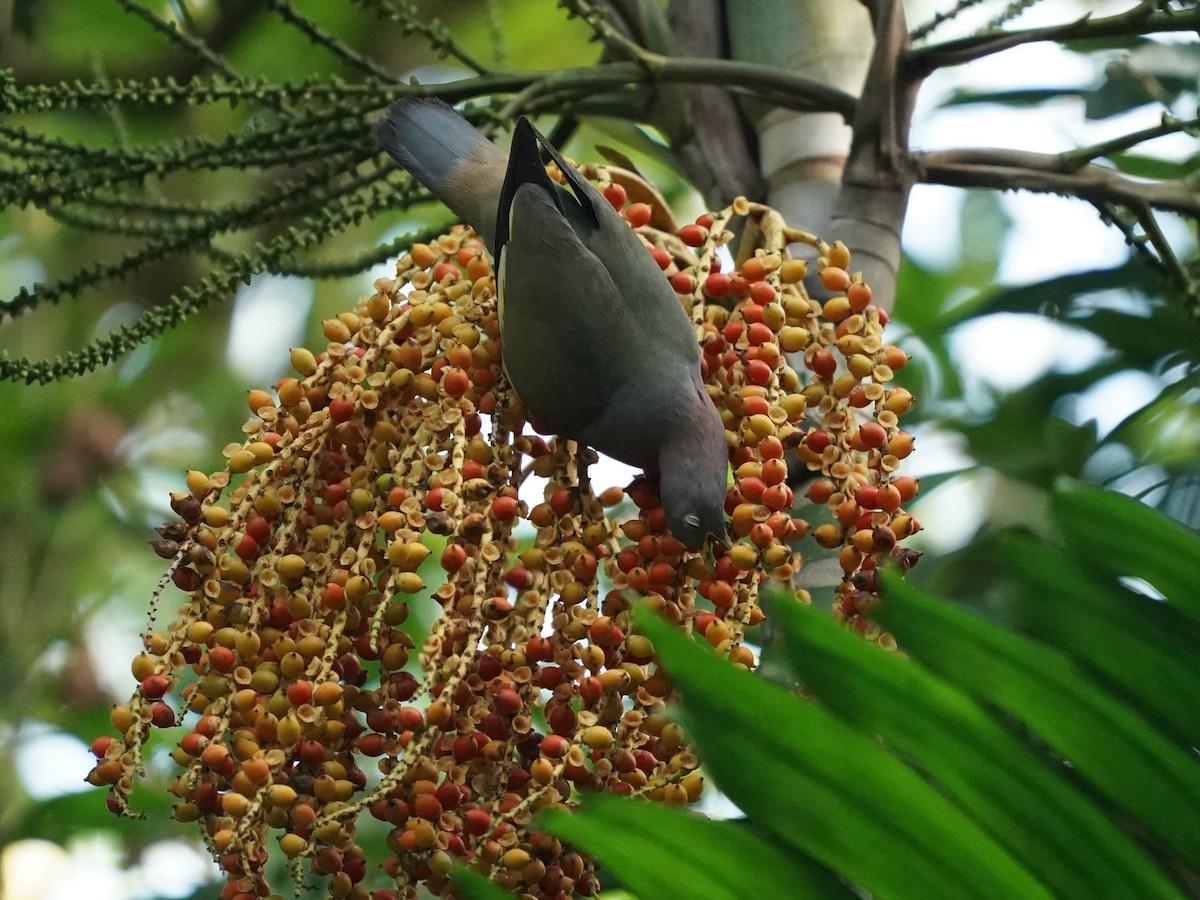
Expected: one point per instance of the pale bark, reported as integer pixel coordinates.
(802, 155)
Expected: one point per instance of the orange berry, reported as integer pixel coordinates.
(889, 498)
(859, 295)
(835, 278)
(907, 486)
(753, 270)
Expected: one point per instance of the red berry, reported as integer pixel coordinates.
(762, 293)
(554, 746)
(774, 471)
(907, 486)
(154, 686)
(222, 660)
(752, 488)
(820, 491)
(507, 702)
(889, 498)
(453, 557)
(477, 821)
(777, 497)
(716, 285)
(759, 334)
(758, 372)
(823, 363)
(721, 594)
(161, 715)
(638, 214)
(258, 528)
(341, 409)
(873, 434)
(755, 406)
(456, 381)
(518, 577)
(464, 749)
(693, 235)
(562, 502)
(859, 296)
(300, 692)
(867, 496)
(615, 194)
(770, 447)
(683, 283)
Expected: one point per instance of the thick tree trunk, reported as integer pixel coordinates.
(802, 155)
(842, 180)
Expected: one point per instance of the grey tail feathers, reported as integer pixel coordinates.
(428, 138)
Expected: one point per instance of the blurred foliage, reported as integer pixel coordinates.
(88, 463)
(977, 762)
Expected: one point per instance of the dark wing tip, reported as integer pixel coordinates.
(525, 166)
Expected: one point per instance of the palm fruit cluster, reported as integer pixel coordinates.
(390, 468)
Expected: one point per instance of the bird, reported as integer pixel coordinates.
(595, 342)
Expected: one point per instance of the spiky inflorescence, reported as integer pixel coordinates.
(300, 560)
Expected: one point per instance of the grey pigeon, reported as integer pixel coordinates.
(596, 344)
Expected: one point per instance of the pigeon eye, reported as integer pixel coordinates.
(692, 521)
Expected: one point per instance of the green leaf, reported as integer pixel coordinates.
(998, 780)
(822, 788)
(1055, 295)
(1107, 743)
(473, 886)
(1165, 431)
(1121, 536)
(662, 854)
(1143, 166)
(1153, 72)
(1023, 438)
(1142, 645)
(1019, 98)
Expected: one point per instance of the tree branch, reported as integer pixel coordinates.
(720, 154)
(1119, 199)
(1141, 19)
(1052, 174)
(871, 204)
(1076, 159)
(781, 88)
